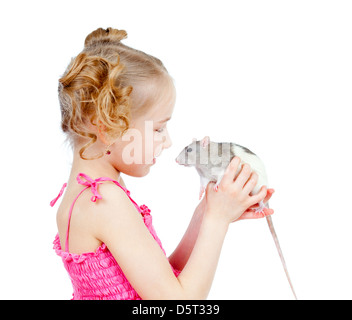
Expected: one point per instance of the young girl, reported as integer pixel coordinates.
(108, 94)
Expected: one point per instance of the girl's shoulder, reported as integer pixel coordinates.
(111, 198)
(87, 210)
(104, 201)
(115, 203)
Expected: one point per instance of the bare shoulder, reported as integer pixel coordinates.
(113, 210)
(113, 195)
(114, 203)
(90, 220)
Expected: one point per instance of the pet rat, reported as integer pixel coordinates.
(211, 160)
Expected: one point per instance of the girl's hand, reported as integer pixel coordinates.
(250, 212)
(233, 199)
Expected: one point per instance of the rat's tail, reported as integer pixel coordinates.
(276, 240)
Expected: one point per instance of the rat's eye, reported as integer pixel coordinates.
(189, 149)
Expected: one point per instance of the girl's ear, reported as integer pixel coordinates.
(101, 133)
(205, 142)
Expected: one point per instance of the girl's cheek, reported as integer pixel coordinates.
(167, 141)
(158, 149)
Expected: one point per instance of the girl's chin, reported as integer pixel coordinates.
(141, 170)
(138, 170)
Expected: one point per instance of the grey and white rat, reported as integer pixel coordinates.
(211, 160)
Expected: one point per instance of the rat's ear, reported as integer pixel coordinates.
(194, 140)
(205, 142)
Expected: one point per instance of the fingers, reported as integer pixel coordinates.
(230, 172)
(249, 214)
(209, 187)
(251, 183)
(260, 196)
(243, 176)
(268, 195)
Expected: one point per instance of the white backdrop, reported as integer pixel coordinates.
(274, 76)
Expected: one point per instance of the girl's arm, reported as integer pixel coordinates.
(139, 255)
(179, 257)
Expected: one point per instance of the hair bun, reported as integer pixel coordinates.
(108, 35)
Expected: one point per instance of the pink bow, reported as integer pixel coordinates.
(93, 184)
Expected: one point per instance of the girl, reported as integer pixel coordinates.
(108, 94)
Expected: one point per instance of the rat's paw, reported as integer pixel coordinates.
(201, 191)
(262, 211)
(259, 213)
(260, 208)
(256, 214)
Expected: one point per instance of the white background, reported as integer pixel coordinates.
(274, 76)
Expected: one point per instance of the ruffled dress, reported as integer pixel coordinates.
(97, 275)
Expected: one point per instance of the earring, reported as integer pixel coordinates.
(107, 150)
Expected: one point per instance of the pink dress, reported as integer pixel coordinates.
(97, 275)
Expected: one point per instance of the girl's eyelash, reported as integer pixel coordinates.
(160, 130)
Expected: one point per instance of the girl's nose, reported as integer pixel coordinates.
(167, 143)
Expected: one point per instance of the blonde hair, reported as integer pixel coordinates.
(103, 86)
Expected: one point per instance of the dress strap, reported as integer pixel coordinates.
(85, 180)
(93, 184)
(52, 202)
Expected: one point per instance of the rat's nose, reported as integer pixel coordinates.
(176, 160)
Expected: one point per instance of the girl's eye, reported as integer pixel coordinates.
(189, 149)
(160, 130)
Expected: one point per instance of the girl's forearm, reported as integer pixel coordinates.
(180, 256)
(198, 273)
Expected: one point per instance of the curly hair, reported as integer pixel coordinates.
(97, 87)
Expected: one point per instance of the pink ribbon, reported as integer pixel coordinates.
(52, 202)
(93, 184)
(85, 180)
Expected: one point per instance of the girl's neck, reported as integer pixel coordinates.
(93, 168)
